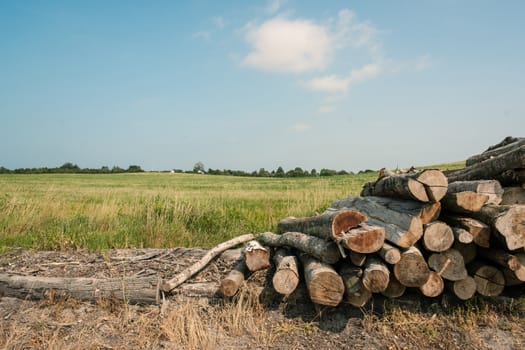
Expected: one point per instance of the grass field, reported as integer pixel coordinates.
(97, 212)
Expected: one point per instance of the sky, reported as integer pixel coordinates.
(345, 85)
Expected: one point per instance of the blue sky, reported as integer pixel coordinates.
(248, 84)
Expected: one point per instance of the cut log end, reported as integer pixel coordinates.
(438, 236)
(464, 289)
(434, 286)
(412, 270)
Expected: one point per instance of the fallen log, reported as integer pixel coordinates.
(513, 195)
(363, 239)
(425, 186)
(449, 264)
(426, 211)
(401, 229)
(389, 254)
(256, 256)
(508, 144)
(325, 286)
(355, 292)
(286, 276)
(490, 281)
(490, 188)
(316, 247)
(412, 269)
(437, 236)
(376, 275)
(434, 286)
(480, 231)
(234, 279)
(464, 202)
(394, 289)
(463, 289)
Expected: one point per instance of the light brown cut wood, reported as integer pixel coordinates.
(401, 229)
(328, 225)
(212, 253)
(434, 286)
(490, 281)
(464, 202)
(464, 289)
(513, 195)
(389, 254)
(480, 231)
(363, 239)
(395, 289)
(234, 279)
(256, 256)
(286, 276)
(507, 223)
(412, 270)
(508, 144)
(325, 286)
(462, 236)
(516, 276)
(318, 248)
(358, 259)
(426, 211)
(355, 292)
(468, 251)
(375, 275)
(490, 188)
(429, 185)
(449, 264)
(437, 236)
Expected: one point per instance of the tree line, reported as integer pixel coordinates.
(70, 168)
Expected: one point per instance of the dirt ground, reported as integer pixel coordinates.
(257, 318)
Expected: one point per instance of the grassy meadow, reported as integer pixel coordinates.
(103, 211)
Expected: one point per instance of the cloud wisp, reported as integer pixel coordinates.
(336, 84)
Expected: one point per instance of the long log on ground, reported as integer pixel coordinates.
(212, 253)
(325, 286)
(513, 195)
(480, 231)
(426, 211)
(490, 281)
(389, 254)
(355, 292)
(132, 290)
(316, 247)
(490, 168)
(363, 239)
(507, 223)
(234, 279)
(508, 144)
(463, 289)
(449, 264)
(511, 177)
(464, 202)
(437, 236)
(401, 229)
(286, 276)
(490, 188)
(256, 256)
(425, 186)
(328, 225)
(412, 270)
(468, 251)
(394, 289)
(376, 275)
(358, 259)
(434, 286)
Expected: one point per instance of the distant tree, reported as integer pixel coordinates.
(313, 172)
(69, 167)
(263, 173)
(327, 172)
(134, 169)
(117, 169)
(198, 167)
(279, 172)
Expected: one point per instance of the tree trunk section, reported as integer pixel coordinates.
(286, 276)
(256, 256)
(490, 188)
(314, 246)
(480, 231)
(489, 280)
(355, 292)
(376, 275)
(500, 257)
(234, 279)
(508, 144)
(516, 276)
(364, 239)
(427, 212)
(412, 270)
(462, 235)
(434, 286)
(325, 286)
(511, 177)
(513, 195)
(463, 289)
(389, 254)
(449, 264)
(437, 236)
(464, 202)
(358, 259)
(395, 289)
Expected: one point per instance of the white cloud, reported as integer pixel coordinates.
(286, 45)
(299, 127)
(366, 72)
(357, 34)
(333, 83)
(274, 5)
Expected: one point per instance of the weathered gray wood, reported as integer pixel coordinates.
(464, 289)
(375, 275)
(412, 270)
(325, 286)
(490, 281)
(511, 177)
(358, 259)
(389, 254)
(318, 248)
(286, 276)
(401, 229)
(363, 239)
(234, 279)
(434, 286)
(355, 292)
(437, 236)
(449, 264)
(513, 195)
(328, 225)
(480, 231)
(395, 289)
(490, 188)
(464, 202)
(429, 185)
(508, 144)
(426, 211)
(256, 256)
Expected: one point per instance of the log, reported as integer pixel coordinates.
(490, 281)
(401, 229)
(412, 270)
(325, 286)
(395, 289)
(426, 211)
(508, 144)
(511, 177)
(434, 286)
(376, 275)
(490, 188)
(480, 232)
(127, 289)
(449, 264)
(328, 225)
(212, 253)
(513, 195)
(363, 239)
(316, 247)
(358, 259)
(464, 202)
(429, 185)
(507, 223)
(355, 292)
(462, 235)
(286, 276)
(437, 236)
(468, 251)
(256, 256)
(463, 289)
(490, 168)
(389, 254)
(500, 257)
(234, 279)
(517, 275)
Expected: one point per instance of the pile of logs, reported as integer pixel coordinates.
(430, 230)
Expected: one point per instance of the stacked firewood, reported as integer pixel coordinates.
(429, 230)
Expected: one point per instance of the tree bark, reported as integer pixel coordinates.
(508, 144)
(256, 256)
(437, 236)
(464, 202)
(363, 239)
(355, 292)
(427, 212)
(464, 289)
(389, 254)
(316, 247)
(286, 276)
(490, 188)
(234, 279)
(376, 275)
(328, 225)
(511, 177)
(412, 270)
(325, 286)
(490, 281)
(358, 259)
(449, 264)
(513, 195)
(480, 231)
(401, 229)
(434, 286)
(425, 186)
